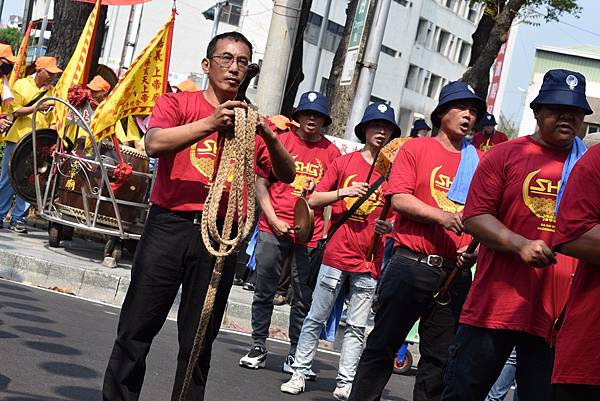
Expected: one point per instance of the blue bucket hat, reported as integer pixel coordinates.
(420, 124)
(488, 119)
(453, 92)
(564, 88)
(373, 112)
(313, 101)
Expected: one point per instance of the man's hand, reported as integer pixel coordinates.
(537, 253)
(466, 259)
(358, 189)
(451, 222)
(223, 118)
(5, 124)
(279, 227)
(309, 185)
(46, 106)
(264, 130)
(383, 227)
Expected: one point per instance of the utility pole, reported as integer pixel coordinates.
(40, 42)
(28, 9)
(278, 54)
(368, 68)
(126, 43)
(1, 7)
(218, 8)
(315, 65)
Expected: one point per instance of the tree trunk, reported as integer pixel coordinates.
(69, 19)
(478, 74)
(295, 73)
(486, 23)
(340, 97)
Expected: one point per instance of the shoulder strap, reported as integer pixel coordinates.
(354, 208)
(35, 99)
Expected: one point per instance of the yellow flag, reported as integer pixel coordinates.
(77, 71)
(18, 71)
(143, 83)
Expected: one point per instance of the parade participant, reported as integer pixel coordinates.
(183, 134)
(519, 286)
(99, 90)
(428, 244)
(7, 60)
(27, 93)
(420, 129)
(185, 86)
(344, 260)
(488, 136)
(576, 374)
(313, 154)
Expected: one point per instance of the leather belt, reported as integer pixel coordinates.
(429, 260)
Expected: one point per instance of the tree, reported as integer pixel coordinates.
(10, 36)
(69, 19)
(492, 32)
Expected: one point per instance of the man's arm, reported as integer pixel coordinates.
(586, 247)
(415, 209)
(493, 234)
(161, 141)
(282, 163)
(322, 199)
(278, 226)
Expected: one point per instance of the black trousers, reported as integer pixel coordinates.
(271, 253)
(170, 254)
(479, 354)
(406, 294)
(575, 392)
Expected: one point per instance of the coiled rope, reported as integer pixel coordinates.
(237, 159)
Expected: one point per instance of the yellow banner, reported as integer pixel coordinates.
(77, 71)
(143, 83)
(18, 71)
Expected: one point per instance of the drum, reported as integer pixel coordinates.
(303, 221)
(20, 165)
(80, 182)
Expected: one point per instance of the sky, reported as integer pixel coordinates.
(570, 31)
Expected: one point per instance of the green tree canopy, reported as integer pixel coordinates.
(11, 37)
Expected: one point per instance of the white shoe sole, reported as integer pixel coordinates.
(252, 365)
(293, 391)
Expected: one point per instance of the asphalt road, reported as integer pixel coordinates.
(55, 347)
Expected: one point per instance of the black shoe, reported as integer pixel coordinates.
(255, 358)
(248, 287)
(238, 281)
(18, 227)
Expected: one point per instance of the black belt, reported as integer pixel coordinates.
(195, 217)
(429, 260)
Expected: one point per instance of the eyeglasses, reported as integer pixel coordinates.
(225, 61)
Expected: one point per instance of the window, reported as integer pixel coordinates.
(313, 27)
(443, 42)
(424, 31)
(434, 86)
(473, 12)
(333, 36)
(592, 128)
(232, 12)
(389, 51)
(323, 87)
(402, 2)
(451, 4)
(412, 77)
(465, 53)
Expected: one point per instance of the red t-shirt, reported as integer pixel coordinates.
(517, 182)
(183, 178)
(486, 142)
(312, 159)
(425, 169)
(577, 360)
(348, 247)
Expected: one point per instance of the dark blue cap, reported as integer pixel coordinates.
(377, 111)
(313, 101)
(488, 119)
(564, 88)
(453, 92)
(420, 124)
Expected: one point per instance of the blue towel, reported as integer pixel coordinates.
(330, 329)
(251, 250)
(466, 168)
(577, 150)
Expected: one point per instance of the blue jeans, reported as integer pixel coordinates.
(7, 192)
(360, 294)
(505, 380)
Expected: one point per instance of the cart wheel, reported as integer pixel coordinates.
(404, 366)
(54, 235)
(67, 233)
(131, 245)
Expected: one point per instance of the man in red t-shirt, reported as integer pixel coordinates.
(520, 286)
(183, 133)
(428, 243)
(488, 137)
(312, 153)
(344, 261)
(576, 374)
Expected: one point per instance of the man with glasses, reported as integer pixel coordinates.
(183, 132)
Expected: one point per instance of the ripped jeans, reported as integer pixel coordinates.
(360, 295)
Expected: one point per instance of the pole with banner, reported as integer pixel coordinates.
(358, 28)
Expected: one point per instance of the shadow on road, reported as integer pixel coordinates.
(38, 331)
(69, 370)
(13, 295)
(29, 317)
(15, 288)
(52, 348)
(29, 308)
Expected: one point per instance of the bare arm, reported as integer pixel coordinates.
(282, 162)
(322, 199)
(586, 247)
(415, 209)
(279, 227)
(495, 235)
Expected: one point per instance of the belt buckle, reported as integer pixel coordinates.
(435, 260)
(197, 219)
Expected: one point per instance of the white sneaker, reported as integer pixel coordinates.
(295, 385)
(342, 391)
(256, 358)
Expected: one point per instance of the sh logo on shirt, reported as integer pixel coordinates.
(539, 194)
(440, 185)
(304, 171)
